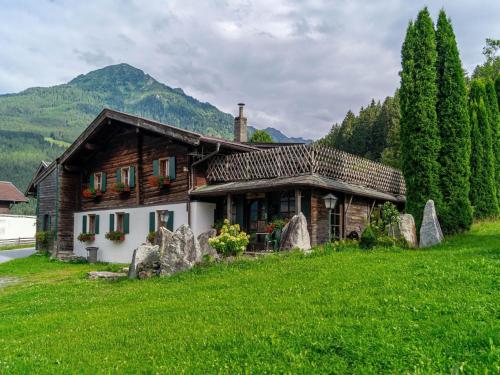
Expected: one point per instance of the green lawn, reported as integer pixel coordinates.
(382, 311)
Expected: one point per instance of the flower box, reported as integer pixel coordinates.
(91, 194)
(159, 182)
(115, 236)
(121, 188)
(86, 237)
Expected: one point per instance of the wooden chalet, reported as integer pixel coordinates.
(129, 174)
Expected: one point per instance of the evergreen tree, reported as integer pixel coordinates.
(453, 121)
(482, 183)
(494, 121)
(420, 139)
(261, 136)
(390, 116)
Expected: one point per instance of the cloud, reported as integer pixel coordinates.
(298, 65)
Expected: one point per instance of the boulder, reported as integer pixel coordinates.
(145, 262)
(163, 238)
(295, 234)
(430, 231)
(205, 247)
(405, 229)
(182, 252)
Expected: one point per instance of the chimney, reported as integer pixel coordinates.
(240, 126)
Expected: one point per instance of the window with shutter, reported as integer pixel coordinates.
(111, 222)
(152, 219)
(171, 167)
(84, 224)
(170, 221)
(131, 181)
(96, 224)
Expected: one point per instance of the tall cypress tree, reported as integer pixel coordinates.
(482, 183)
(420, 139)
(453, 121)
(494, 121)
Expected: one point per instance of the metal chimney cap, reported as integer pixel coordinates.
(241, 104)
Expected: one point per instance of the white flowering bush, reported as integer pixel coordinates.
(231, 240)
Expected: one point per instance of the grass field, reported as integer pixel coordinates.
(382, 311)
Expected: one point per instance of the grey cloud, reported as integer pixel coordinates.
(299, 65)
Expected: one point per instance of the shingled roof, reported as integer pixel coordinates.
(9, 193)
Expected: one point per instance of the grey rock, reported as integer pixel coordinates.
(146, 259)
(295, 234)
(405, 229)
(430, 231)
(181, 253)
(94, 275)
(205, 247)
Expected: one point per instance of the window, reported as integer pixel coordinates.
(164, 167)
(120, 221)
(98, 181)
(46, 222)
(287, 204)
(336, 223)
(125, 175)
(92, 224)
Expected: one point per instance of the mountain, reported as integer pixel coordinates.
(40, 122)
(278, 136)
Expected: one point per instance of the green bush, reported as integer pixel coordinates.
(368, 238)
(386, 241)
(231, 240)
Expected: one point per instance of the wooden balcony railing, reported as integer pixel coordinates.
(296, 160)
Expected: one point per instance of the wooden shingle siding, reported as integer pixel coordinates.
(46, 199)
(69, 197)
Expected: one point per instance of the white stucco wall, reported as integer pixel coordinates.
(110, 251)
(202, 219)
(202, 216)
(15, 226)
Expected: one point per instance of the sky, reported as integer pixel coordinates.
(298, 65)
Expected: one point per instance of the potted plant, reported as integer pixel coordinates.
(121, 188)
(115, 236)
(86, 237)
(159, 182)
(91, 193)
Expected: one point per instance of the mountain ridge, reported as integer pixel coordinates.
(37, 121)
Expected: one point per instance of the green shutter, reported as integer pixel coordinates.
(96, 224)
(152, 223)
(118, 175)
(84, 224)
(111, 222)
(132, 177)
(103, 184)
(91, 182)
(156, 167)
(171, 167)
(126, 223)
(170, 221)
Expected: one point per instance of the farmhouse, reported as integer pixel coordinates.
(9, 195)
(129, 175)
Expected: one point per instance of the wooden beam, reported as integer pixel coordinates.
(371, 209)
(347, 206)
(298, 201)
(72, 168)
(229, 203)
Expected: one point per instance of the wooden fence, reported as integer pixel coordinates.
(18, 241)
(296, 160)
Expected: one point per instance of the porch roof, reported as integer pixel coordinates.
(310, 180)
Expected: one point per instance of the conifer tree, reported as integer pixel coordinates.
(453, 121)
(420, 139)
(494, 121)
(482, 183)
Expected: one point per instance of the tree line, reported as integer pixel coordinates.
(441, 127)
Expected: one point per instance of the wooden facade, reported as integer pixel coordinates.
(249, 185)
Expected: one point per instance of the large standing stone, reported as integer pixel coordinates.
(405, 229)
(295, 234)
(430, 231)
(145, 262)
(205, 247)
(181, 253)
(163, 238)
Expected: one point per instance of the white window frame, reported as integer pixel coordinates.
(91, 228)
(125, 175)
(120, 219)
(98, 181)
(164, 167)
